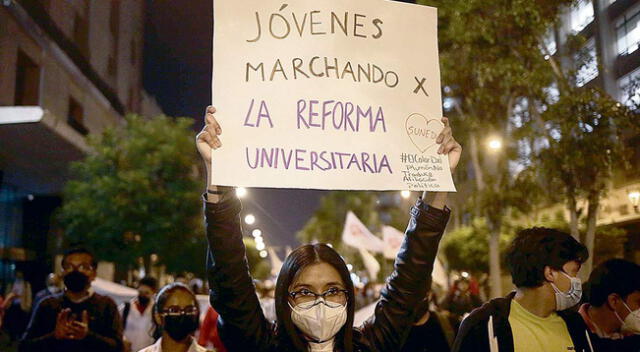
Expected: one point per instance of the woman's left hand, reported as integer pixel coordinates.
(448, 145)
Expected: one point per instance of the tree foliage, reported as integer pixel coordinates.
(466, 248)
(138, 193)
(564, 134)
(259, 267)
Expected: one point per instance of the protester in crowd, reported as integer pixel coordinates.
(53, 286)
(433, 331)
(612, 311)
(461, 300)
(137, 316)
(77, 319)
(176, 317)
(314, 292)
(209, 336)
(544, 264)
(181, 278)
(18, 304)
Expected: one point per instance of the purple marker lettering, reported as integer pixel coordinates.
(248, 161)
(301, 106)
(299, 160)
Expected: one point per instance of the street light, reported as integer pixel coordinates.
(249, 219)
(263, 254)
(256, 233)
(634, 197)
(405, 194)
(495, 143)
(260, 246)
(259, 239)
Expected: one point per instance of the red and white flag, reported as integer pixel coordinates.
(392, 241)
(355, 234)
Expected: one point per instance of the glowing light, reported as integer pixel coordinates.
(250, 219)
(263, 254)
(256, 233)
(495, 144)
(241, 192)
(405, 194)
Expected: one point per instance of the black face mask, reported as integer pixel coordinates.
(76, 281)
(144, 300)
(180, 326)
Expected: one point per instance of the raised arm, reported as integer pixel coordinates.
(232, 292)
(407, 285)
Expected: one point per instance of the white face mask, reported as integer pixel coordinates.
(566, 300)
(319, 322)
(630, 324)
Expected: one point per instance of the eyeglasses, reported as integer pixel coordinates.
(68, 267)
(176, 310)
(333, 297)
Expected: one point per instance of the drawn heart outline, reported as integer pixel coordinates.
(431, 128)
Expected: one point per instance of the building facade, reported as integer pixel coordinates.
(68, 69)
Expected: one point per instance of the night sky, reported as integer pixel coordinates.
(177, 71)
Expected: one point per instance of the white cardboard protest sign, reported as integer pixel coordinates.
(328, 94)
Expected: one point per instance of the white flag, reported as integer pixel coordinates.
(392, 241)
(357, 235)
(370, 263)
(276, 263)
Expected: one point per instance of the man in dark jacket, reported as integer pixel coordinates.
(612, 311)
(433, 331)
(544, 264)
(78, 319)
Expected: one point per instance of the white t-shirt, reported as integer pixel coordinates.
(139, 325)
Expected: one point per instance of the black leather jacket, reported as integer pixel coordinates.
(242, 323)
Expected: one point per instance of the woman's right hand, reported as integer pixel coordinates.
(208, 137)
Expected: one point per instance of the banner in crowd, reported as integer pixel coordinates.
(328, 95)
(392, 241)
(355, 234)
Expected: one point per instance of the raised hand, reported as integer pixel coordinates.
(448, 145)
(208, 137)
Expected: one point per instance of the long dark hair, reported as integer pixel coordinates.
(290, 338)
(161, 299)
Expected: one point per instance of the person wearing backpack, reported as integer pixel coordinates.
(137, 316)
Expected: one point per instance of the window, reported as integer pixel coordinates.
(75, 117)
(628, 31)
(581, 15)
(629, 86)
(587, 63)
(27, 81)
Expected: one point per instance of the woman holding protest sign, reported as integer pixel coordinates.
(314, 292)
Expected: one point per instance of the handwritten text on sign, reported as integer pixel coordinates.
(328, 94)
